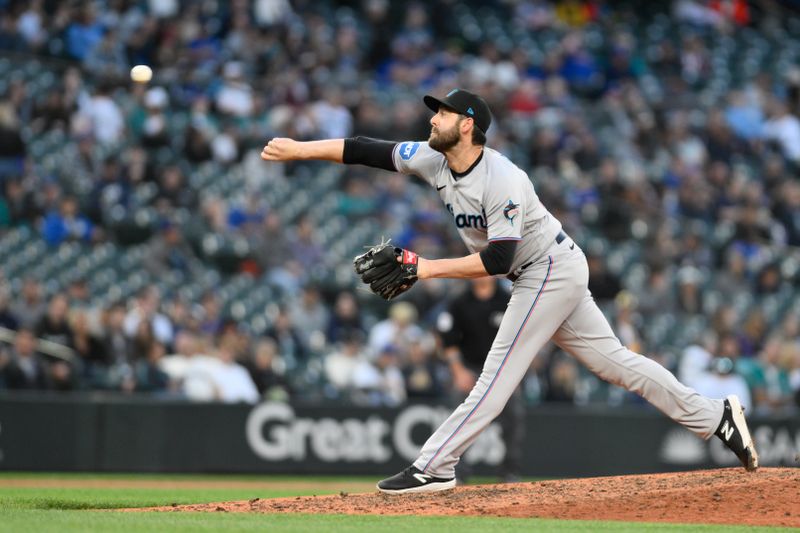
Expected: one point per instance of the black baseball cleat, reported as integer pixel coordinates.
(412, 479)
(733, 432)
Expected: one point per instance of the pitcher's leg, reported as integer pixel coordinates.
(512, 421)
(534, 313)
(587, 335)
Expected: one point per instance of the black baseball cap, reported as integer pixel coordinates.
(465, 103)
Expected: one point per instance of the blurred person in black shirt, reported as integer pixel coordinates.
(603, 284)
(421, 372)
(54, 325)
(25, 368)
(468, 327)
(7, 317)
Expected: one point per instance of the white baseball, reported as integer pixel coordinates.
(141, 73)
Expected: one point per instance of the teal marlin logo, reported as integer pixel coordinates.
(510, 211)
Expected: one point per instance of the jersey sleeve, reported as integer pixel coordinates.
(504, 204)
(418, 159)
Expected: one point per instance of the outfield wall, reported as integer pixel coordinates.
(65, 433)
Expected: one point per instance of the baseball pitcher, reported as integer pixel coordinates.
(508, 232)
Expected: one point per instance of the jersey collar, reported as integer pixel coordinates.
(457, 175)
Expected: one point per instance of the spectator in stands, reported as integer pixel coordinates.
(310, 311)
(392, 383)
(625, 322)
(284, 333)
(146, 308)
(68, 224)
(211, 321)
(267, 371)
(690, 293)
(8, 319)
(20, 201)
(696, 359)
(151, 123)
(787, 211)
(379, 383)
(783, 129)
(345, 316)
(561, 379)
(31, 25)
(425, 377)
(54, 325)
(305, 248)
(657, 295)
(603, 284)
(9, 36)
(340, 365)
(169, 251)
(174, 192)
(106, 122)
(774, 391)
(226, 146)
(332, 117)
(107, 59)
(231, 380)
(89, 348)
(115, 341)
(148, 373)
(78, 294)
(25, 368)
(12, 148)
(720, 380)
(235, 97)
(31, 306)
(112, 188)
(399, 329)
(84, 33)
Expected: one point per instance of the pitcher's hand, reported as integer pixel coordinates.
(281, 149)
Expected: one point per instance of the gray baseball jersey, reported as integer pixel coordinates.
(493, 201)
(549, 301)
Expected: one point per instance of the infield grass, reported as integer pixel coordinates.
(84, 502)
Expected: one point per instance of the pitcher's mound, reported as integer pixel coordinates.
(770, 496)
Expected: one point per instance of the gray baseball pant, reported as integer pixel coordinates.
(550, 300)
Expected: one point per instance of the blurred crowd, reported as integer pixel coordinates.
(634, 140)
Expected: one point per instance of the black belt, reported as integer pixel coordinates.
(514, 276)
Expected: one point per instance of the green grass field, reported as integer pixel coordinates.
(84, 502)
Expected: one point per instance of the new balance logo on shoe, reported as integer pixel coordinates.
(422, 478)
(726, 430)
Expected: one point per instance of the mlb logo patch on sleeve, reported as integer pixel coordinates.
(407, 150)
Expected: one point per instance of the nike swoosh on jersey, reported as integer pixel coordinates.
(440, 188)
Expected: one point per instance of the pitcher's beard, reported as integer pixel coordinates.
(444, 140)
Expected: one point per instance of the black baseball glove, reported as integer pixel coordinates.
(389, 271)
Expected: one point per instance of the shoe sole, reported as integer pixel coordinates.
(430, 487)
(737, 411)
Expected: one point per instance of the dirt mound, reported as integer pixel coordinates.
(770, 496)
